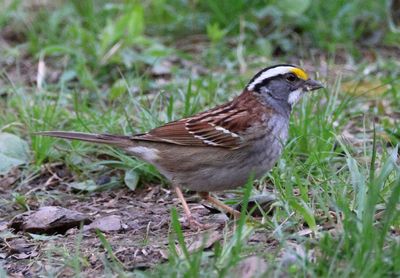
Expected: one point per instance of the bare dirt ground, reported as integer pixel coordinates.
(137, 224)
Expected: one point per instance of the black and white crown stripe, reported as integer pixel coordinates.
(268, 73)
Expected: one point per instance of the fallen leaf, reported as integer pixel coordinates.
(20, 249)
(131, 179)
(48, 220)
(13, 152)
(23, 256)
(106, 224)
(204, 241)
(200, 241)
(19, 245)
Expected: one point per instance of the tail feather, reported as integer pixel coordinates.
(116, 140)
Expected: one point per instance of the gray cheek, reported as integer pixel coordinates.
(279, 90)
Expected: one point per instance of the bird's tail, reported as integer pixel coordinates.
(116, 140)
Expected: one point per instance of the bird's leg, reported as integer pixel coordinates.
(217, 203)
(192, 221)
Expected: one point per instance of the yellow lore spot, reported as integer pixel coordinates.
(300, 73)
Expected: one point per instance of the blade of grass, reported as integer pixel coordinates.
(107, 246)
(176, 226)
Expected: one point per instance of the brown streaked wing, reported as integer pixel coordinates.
(218, 127)
(174, 133)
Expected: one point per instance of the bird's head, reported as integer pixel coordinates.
(283, 84)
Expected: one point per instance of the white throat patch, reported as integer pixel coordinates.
(295, 96)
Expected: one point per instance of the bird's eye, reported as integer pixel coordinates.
(291, 77)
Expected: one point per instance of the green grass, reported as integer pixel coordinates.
(346, 191)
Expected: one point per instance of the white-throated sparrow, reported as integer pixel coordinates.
(220, 148)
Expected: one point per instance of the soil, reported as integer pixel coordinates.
(139, 238)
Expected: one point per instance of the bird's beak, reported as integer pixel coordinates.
(311, 85)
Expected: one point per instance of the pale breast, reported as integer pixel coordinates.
(228, 169)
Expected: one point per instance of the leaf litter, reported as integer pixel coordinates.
(136, 225)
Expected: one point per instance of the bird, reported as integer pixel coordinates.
(222, 147)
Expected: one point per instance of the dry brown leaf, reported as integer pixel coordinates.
(48, 220)
(200, 241)
(107, 224)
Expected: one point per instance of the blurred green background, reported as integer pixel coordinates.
(92, 38)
